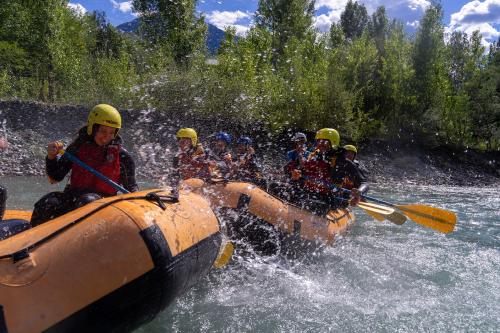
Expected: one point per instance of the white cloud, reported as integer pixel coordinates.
(477, 15)
(478, 12)
(415, 24)
(124, 7)
(323, 21)
(77, 8)
(404, 10)
(419, 5)
(241, 30)
(371, 5)
(223, 19)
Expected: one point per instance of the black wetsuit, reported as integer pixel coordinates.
(345, 168)
(56, 204)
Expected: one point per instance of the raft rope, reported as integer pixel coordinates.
(151, 196)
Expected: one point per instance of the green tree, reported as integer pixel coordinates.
(484, 106)
(337, 37)
(105, 40)
(378, 27)
(396, 74)
(353, 20)
(430, 82)
(173, 23)
(286, 19)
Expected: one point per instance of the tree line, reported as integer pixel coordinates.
(366, 76)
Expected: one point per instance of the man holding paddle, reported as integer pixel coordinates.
(324, 168)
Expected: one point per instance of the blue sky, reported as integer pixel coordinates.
(463, 15)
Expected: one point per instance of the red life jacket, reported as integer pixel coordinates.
(290, 166)
(192, 164)
(318, 172)
(106, 160)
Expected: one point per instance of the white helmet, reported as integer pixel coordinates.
(299, 136)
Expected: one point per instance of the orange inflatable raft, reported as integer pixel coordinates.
(109, 266)
(267, 222)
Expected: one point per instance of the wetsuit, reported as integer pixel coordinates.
(348, 175)
(113, 161)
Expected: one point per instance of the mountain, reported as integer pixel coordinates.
(214, 37)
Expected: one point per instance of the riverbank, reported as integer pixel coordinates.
(150, 137)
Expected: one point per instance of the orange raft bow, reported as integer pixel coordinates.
(111, 265)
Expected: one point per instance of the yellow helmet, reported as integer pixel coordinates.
(104, 114)
(351, 148)
(188, 133)
(329, 134)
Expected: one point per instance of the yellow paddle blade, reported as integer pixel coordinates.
(435, 218)
(224, 255)
(381, 213)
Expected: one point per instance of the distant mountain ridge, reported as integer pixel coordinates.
(214, 36)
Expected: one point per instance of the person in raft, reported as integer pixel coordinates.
(99, 146)
(4, 144)
(219, 156)
(190, 161)
(350, 153)
(325, 168)
(246, 168)
(298, 155)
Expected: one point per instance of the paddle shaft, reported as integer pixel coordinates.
(93, 171)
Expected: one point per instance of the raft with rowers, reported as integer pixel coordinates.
(104, 256)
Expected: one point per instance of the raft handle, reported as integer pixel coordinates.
(152, 196)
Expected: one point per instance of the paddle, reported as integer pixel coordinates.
(431, 217)
(93, 171)
(380, 213)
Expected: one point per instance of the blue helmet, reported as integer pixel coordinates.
(223, 136)
(244, 140)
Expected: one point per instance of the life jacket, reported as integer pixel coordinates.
(105, 159)
(317, 171)
(192, 164)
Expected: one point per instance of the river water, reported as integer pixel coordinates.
(379, 277)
